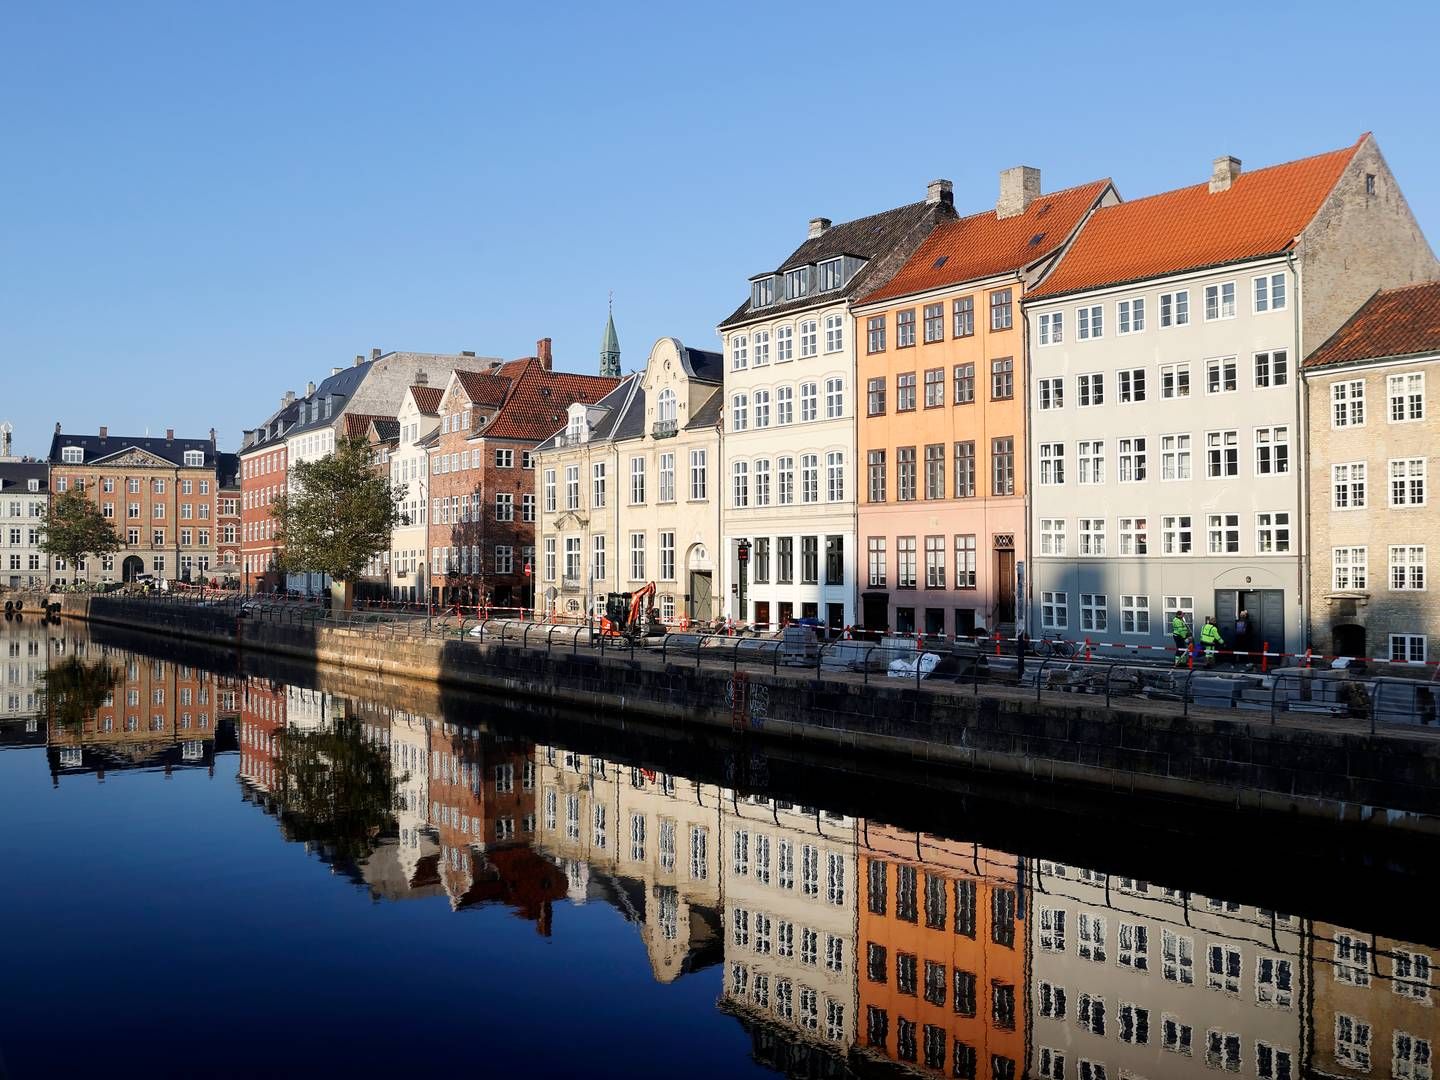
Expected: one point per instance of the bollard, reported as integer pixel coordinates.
(1087, 650)
(1264, 658)
(997, 642)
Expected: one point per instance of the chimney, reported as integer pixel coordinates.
(421, 379)
(818, 225)
(940, 191)
(543, 353)
(288, 399)
(467, 352)
(374, 354)
(309, 389)
(1224, 172)
(57, 427)
(336, 370)
(212, 436)
(359, 359)
(104, 431)
(169, 434)
(1019, 187)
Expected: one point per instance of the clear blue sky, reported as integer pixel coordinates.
(205, 204)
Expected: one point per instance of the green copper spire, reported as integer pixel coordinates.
(610, 346)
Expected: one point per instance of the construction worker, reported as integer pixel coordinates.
(1180, 632)
(1211, 639)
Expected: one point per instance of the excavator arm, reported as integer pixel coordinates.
(637, 605)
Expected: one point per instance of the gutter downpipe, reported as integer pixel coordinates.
(1302, 436)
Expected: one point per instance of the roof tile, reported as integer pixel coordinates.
(1395, 322)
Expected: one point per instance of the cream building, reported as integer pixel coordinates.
(1372, 433)
(419, 420)
(790, 385)
(643, 841)
(628, 492)
(24, 499)
(1148, 981)
(789, 887)
(1166, 439)
(25, 644)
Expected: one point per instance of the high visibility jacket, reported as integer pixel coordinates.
(1210, 635)
(1178, 628)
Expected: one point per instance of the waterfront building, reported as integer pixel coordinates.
(22, 670)
(940, 471)
(228, 519)
(382, 435)
(641, 840)
(1374, 1005)
(942, 972)
(24, 501)
(159, 494)
(789, 435)
(1165, 439)
(1371, 433)
(482, 475)
(790, 890)
(263, 466)
(1128, 978)
(629, 493)
(419, 421)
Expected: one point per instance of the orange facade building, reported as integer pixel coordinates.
(942, 436)
(941, 954)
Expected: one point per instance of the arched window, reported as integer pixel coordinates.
(666, 406)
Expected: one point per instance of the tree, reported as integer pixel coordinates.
(74, 690)
(336, 790)
(75, 529)
(337, 516)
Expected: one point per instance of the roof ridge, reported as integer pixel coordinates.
(1072, 189)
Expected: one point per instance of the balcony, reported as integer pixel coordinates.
(665, 429)
(566, 439)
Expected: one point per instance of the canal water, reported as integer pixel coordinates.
(219, 866)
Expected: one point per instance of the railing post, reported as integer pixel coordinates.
(1274, 687)
(525, 638)
(1040, 678)
(1264, 658)
(550, 638)
(1109, 669)
(1185, 697)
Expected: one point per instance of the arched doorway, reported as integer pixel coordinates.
(132, 567)
(1348, 640)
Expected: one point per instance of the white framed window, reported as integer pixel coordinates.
(1352, 1043)
(1052, 328)
(667, 556)
(740, 484)
(1052, 536)
(1134, 535)
(1347, 403)
(637, 556)
(1220, 301)
(699, 474)
(1185, 605)
(1131, 383)
(809, 478)
(835, 476)
(1176, 534)
(1406, 395)
(1272, 451)
(784, 405)
(1175, 456)
(1089, 322)
(761, 402)
(1091, 945)
(1051, 394)
(1272, 368)
(762, 481)
(784, 346)
(1410, 1057)
(1407, 482)
(1269, 293)
(1131, 458)
(1349, 569)
(1221, 375)
(1222, 534)
(739, 412)
(572, 487)
(1223, 971)
(1130, 316)
(1411, 970)
(739, 352)
(834, 333)
(72, 455)
(1175, 380)
(551, 505)
(1134, 619)
(667, 477)
(762, 348)
(809, 337)
(834, 398)
(597, 557)
(1092, 536)
(637, 480)
(1407, 567)
(1347, 485)
(1090, 389)
(1272, 532)
(809, 396)
(1222, 454)
(1052, 463)
(1175, 308)
(1055, 610)
(1090, 461)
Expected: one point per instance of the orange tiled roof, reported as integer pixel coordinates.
(1395, 322)
(483, 387)
(983, 245)
(1190, 228)
(427, 398)
(538, 399)
(357, 425)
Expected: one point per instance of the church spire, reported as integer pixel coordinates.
(610, 346)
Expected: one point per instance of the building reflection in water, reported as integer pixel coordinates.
(845, 946)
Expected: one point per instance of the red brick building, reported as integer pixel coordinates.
(227, 521)
(482, 478)
(262, 478)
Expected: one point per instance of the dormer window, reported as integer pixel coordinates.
(72, 455)
(194, 459)
(797, 282)
(329, 406)
(762, 292)
(34, 485)
(832, 274)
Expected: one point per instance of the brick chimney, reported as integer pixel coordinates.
(543, 353)
(818, 225)
(422, 379)
(309, 389)
(169, 434)
(1019, 187)
(359, 359)
(1223, 173)
(374, 354)
(940, 191)
(104, 431)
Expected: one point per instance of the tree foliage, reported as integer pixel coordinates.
(74, 690)
(338, 514)
(75, 529)
(335, 790)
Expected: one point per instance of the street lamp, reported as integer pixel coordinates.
(742, 553)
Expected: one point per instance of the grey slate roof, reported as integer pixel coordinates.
(886, 240)
(267, 433)
(227, 470)
(343, 384)
(709, 413)
(16, 475)
(703, 365)
(96, 448)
